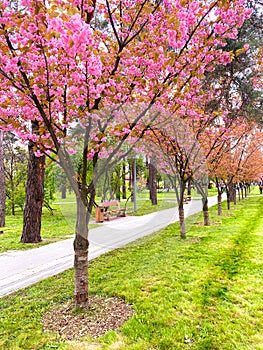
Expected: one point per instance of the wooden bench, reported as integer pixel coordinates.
(108, 211)
(187, 199)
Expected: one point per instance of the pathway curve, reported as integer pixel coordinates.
(19, 269)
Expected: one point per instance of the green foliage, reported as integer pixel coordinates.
(53, 228)
(237, 76)
(200, 293)
(15, 173)
(49, 185)
(19, 200)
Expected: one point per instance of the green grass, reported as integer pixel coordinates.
(54, 228)
(204, 292)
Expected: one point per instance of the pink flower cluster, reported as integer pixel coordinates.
(56, 68)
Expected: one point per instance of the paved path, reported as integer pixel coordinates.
(19, 269)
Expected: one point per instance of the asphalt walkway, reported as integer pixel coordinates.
(19, 269)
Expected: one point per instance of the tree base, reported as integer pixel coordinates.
(25, 241)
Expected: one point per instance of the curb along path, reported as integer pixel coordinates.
(19, 269)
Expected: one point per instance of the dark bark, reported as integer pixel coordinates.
(118, 193)
(131, 180)
(203, 192)
(63, 192)
(248, 188)
(123, 175)
(153, 182)
(180, 200)
(2, 184)
(228, 199)
(34, 196)
(220, 190)
(205, 211)
(232, 192)
(12, 197)
(219, 204)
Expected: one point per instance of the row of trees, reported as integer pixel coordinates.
(128, 77)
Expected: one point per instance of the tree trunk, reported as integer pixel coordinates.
(123, 175)
(2, 184)
(153, 182)
(242, 192)
(81, 245)
(34, 196)
(85, 196)
(219, 204)
(234, 195)
(205, 211)
(12, 197)
(228, 199)
(131, 178)
(232, 192)
(182, 221)
(63, 192)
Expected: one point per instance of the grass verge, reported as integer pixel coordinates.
(204, 292)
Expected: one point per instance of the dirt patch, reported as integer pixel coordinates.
(211, 223)
(194, 239)
(104, 314)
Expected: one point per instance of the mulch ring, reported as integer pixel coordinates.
(103, 315)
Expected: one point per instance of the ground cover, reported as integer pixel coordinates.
(200, 293)
(54, 227)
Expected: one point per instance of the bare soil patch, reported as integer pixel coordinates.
(104, 314)
(211, 223)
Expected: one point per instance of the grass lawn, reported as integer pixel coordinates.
(204, 292)
(54, 228)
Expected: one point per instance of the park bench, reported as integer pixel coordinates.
(110, 208)
(187, 199)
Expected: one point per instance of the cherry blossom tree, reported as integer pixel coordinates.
(57, 67)
(179, 156)
(238, 159)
